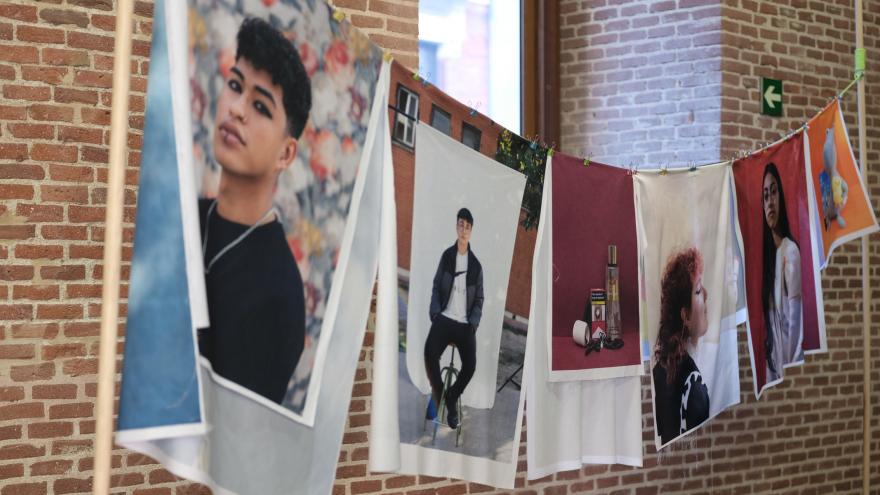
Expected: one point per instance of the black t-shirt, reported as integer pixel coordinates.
(682, 405)
(255, 304)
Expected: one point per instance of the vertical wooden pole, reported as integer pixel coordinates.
(112, 248)
(866, 288)
(548, 72)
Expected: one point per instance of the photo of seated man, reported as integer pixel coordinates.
(254, 287)
(455, 312)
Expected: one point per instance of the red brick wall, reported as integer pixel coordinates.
(55, 63)
(55, 78)
(809, 45)
(392, 24)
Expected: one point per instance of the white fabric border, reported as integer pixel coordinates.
(384, 423)
(177, 28)
(568, 426)
(595, 373)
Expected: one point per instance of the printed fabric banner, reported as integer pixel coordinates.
(574, 422)
(691, 279)
(841, 205)
(259, 214)
(457, 414)
(595, 273)
(786, 314)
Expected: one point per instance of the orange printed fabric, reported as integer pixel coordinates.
(843, 210)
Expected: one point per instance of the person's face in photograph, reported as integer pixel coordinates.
(697, 319)
(770, 196)
(463, 231)
(250, 134)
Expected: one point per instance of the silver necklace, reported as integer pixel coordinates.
(232, 244)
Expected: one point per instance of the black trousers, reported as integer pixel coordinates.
(443, 332)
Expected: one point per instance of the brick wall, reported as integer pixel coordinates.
(55, 63)
(391, 24)
(55, 78)
(678, 80)
(809, 45)
(640, 80)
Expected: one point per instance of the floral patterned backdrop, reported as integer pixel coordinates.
(314, 194)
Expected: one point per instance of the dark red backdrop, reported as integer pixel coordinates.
(592, 208)
(748, 174)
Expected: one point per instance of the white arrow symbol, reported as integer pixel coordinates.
(770, 96)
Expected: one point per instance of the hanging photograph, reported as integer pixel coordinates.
(843, 209)
(786, 316)
(571, 423)
(459, 414)
(271, 118)
(276, 149)
(595, 284)
(691, 281)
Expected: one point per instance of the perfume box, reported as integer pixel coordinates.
(597, 310)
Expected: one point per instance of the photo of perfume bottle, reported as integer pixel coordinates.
(612, 294)
(602, 315)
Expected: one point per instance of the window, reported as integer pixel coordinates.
(441, 120)
(470, 136)
(405, 117)
(471, 50)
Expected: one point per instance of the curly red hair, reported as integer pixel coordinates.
(676, 287)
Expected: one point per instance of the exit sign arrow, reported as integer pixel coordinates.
(771, 97)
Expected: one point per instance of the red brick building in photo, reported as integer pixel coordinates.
(413, 99)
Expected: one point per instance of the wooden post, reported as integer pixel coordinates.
(112, 248)
(866, 287)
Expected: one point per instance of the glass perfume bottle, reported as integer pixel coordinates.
(612, 289)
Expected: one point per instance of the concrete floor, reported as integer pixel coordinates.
(486, 433)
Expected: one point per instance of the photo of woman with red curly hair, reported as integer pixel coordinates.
(681, 399)
(692, 295)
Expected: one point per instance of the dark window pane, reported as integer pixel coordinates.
(470, 136)
(441, 121)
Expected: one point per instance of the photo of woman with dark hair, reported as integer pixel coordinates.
(781, 280)
(681, 399)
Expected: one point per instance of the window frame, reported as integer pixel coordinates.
(402, 116)
(436, 108)
(476, 130)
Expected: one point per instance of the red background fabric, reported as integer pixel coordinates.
(592, 207)
(748, 175)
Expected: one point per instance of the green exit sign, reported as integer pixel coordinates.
(771, 97)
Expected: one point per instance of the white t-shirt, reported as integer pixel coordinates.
(457, 307)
